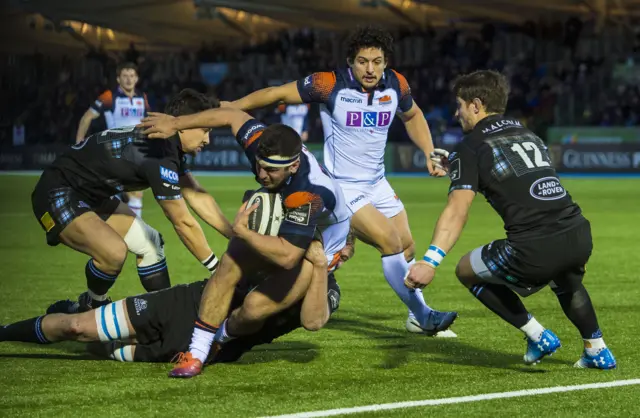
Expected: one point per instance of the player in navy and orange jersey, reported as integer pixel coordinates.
(123, 106)
(358, 104)
(314, 208)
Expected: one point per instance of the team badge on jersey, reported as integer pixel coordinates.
(299, 215)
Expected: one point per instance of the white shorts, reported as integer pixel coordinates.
(334, 239)
(380, 195)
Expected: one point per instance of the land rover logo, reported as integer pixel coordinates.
(547, 188)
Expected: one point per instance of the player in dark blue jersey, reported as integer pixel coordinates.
(548, 239)
(314, 208)
(72, 201)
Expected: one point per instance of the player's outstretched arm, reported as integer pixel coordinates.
(446, 234)
(85, 123)
(418, 130)
(315, 311)
(159, 125)
(187, 228)
(287, 93)
(204, 205)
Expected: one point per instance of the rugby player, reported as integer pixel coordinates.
(72, 201)
(357, 107)
(548, 239)
(314, 207)
(155, 327)
(123, 106)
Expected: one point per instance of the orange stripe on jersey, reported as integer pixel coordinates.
(334, 262)
(323, 84)
(106, 98)
(252, 139)
(405, 90)
(298, 199)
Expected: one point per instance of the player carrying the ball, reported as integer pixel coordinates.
(314, 208)
(358, 105)
(548, 239)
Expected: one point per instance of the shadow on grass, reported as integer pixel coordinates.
(290, 351)
(400, 346)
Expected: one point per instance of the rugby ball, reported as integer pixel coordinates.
(266, 219)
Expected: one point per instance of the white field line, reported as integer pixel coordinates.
(458, 399)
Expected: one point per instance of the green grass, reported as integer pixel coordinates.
(362, 357)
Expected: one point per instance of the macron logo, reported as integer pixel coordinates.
(169, 176)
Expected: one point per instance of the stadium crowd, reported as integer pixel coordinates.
(43, 97)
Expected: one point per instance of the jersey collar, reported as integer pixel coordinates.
(487, 121)
(355, 84)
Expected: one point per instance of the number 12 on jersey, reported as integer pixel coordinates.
(522, 148)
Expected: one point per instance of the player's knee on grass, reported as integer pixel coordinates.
(465, 273)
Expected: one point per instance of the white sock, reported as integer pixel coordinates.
(594, 346)
(418, 294)
(395, 269)
(533, 329)
(222, 336)
(135, 203)
(97, 297)
(200, 346)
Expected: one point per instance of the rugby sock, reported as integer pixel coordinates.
(503, 302)
(98, 281)
(533, 329)
(578, 308)
(223, 336)
(155, 277)
(418, 293)
(135, 203)
(201, 340)
(27, 331)
(395, 269)
(592, 346)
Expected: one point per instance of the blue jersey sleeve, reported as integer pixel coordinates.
(302, 210)
(404, 92)
(317, 87)
(247, 138)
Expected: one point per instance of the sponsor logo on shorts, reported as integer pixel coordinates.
(140, 305)
(356, 200)
(547, 188)
(82, 204)
(299, 215)
(168, 175)
(47, 222)
(455, 170)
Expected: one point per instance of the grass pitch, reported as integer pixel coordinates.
(364, 356)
